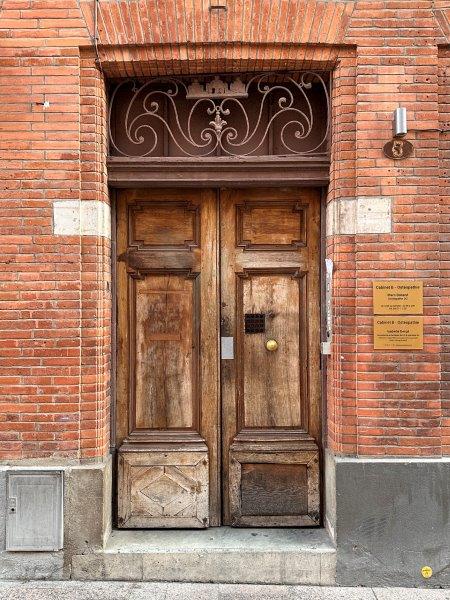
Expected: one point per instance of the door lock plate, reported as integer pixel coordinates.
(227, 348)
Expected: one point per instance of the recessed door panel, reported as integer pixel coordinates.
(166, 351)
(168, 425)
(164, 225)
(271, 381)
(269, 491)
(271, 225)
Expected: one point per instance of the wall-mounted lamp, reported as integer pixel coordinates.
(399, 123)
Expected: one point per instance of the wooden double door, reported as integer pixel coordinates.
(218, 411)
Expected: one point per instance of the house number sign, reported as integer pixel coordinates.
(391, 299)
(398, 149)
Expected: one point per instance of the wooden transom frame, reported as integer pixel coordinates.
(218, 172)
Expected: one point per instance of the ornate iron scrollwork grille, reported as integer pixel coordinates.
(268, 114)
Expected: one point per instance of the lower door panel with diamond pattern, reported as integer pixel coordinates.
(163, 489)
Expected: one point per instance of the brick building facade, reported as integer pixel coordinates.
(385, 414)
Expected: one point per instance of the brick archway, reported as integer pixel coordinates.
(113, 62)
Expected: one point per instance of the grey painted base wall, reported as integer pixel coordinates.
(87, 521)
(389, 518)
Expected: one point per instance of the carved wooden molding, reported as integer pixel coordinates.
(139, 263)
(218, 171)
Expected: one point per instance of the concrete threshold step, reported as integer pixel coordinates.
(218, 555)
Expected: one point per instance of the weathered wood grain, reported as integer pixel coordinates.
(266, 434)
(271, 400)
(168, 377)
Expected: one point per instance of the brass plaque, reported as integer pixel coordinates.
(398, 333)
(398, 297)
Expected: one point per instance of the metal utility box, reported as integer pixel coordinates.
(34, 510)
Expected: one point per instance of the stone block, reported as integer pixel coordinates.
(87, 504)
(119, 567)
(107, 567)
(328, 568)
(88, 567)
(373, 214)
(33, 565)
(360, 215)
(89, 217)
(232, 567)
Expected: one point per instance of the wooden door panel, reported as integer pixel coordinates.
(167, 352)
(271, 225)
(270, 382)
(165, 226)
(267, 491)
(270, 399)
(274, 489)
(164, 489)
(167, 410)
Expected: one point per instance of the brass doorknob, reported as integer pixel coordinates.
(271, 345)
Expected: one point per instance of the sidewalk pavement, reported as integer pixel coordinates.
(76, 590)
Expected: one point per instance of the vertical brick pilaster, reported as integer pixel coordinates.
(398, 399)
(341, 388)
(96, 268)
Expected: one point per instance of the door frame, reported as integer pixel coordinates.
(320, 179)
(219, 171)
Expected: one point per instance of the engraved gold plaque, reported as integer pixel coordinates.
(398, 297)
(398, 333)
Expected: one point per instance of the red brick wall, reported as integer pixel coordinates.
(55, 290)
(398, 399)
(44, 375)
